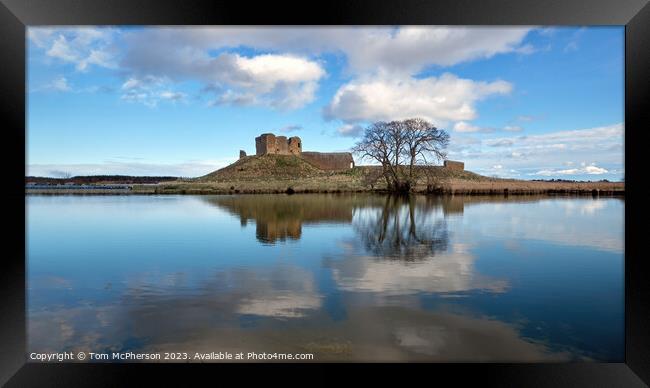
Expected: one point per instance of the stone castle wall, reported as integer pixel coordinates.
(330, 160)
(268, 143)
(452, 165)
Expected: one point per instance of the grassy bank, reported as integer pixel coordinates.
(367, 179)
(288, 174)
(454, 187)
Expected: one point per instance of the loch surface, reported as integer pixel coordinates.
(345, 277)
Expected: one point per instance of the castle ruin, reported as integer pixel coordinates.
(269, 144)
(453, 165)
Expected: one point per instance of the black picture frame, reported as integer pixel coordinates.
(16, 15)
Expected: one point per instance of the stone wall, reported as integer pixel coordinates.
(330, 160)
(265, 144)
(452, 165)
(268, 143)
(295, 145)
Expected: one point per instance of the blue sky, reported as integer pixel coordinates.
(521, 102)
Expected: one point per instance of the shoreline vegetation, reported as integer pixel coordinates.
(276, 174)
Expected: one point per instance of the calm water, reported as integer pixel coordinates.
(345, 277)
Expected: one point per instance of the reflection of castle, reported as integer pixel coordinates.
(281, 218)
(403, 227)
(269, 144)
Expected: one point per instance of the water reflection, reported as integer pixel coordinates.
(239, 310)
(365, 277)
(405, 227)
(278, 218)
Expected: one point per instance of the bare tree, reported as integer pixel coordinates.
(398, 146)
(375, 146)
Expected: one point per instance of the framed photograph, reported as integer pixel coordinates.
(439, 188)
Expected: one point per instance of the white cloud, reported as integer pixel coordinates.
(405, 50)
(60, 84)
(286, 75)
(547, 31)
(280, 81)
(526, 49)
(542, 154)
(462, 126)
(150, 90)
(350, 130)
(81, 46)
(410, 49)
(589, 170)
(172, 96)
(437, 99)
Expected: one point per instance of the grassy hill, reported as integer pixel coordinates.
(263, 167)
(291, 174)
(293, 167)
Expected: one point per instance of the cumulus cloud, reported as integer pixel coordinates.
(149, 90)
(279, 81)
(286, 74)
(406, 49)
(437, 99)
(542, 154)
(412, 48)
(592, 169)
(81, 46)
(350, 130)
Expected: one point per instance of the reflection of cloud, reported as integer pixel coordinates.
(589, 207)
(445, 273)
(558, 221)
(426, 340)
(284, 306)
(156, 307)
(297, 295)
(454, 337)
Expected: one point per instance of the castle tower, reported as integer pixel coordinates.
(268, 143)
(295, 146)
(281, 145)
(265, 144)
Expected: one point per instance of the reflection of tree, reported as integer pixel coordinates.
(390, 225)
(406, 227)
